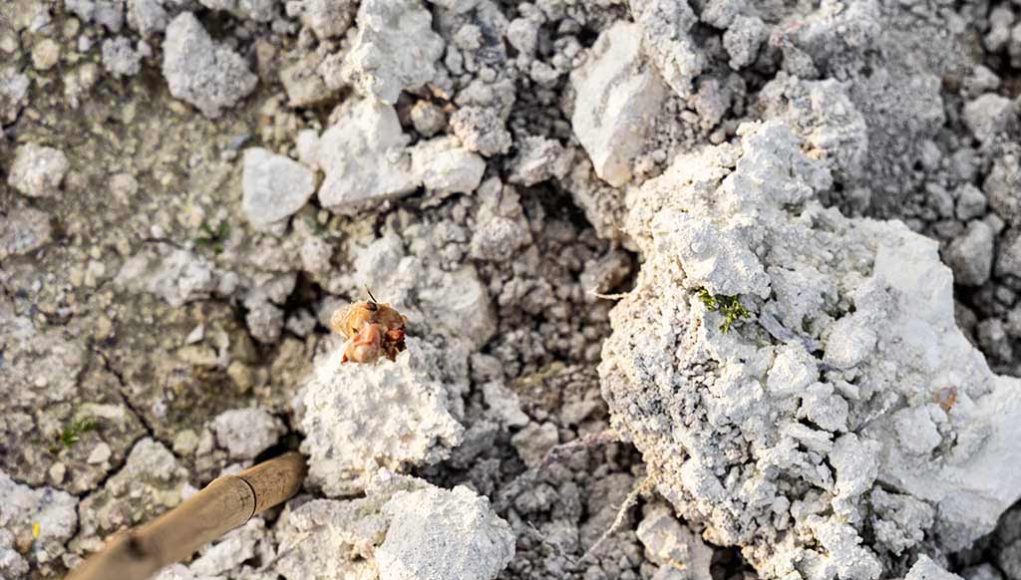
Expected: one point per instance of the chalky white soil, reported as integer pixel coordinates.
(696, 289)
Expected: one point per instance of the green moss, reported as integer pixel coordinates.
(708, 299)
(729, 306)
(213, 239)
(74, 430)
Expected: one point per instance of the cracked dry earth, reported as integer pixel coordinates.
(696, 289)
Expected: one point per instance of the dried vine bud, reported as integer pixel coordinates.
(371, 329)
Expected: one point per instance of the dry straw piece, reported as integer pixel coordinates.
(223, 505)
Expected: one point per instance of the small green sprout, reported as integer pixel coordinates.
(708, 299)
(729, 306)
(74, 430)
(213, 239)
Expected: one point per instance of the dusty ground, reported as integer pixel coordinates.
(471, 169)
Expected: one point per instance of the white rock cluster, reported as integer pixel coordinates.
(23, 231)
(665, 33)
(366, 159)
(151, 482)
(13, 93)
(454, 305)
(403, 529)
(846, 400)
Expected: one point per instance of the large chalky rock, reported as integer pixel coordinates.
(794, 378)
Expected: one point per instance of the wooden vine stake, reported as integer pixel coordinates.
(223, 505)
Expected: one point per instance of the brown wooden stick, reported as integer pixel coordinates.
(223, 505)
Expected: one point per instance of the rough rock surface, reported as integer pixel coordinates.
(926, 569)
(678, 551)
(39, 522)
(443, 165)
(395, 49)
(198, 70)
(274, 186)
(617, 96)
(119, 58)
(359, 418)
(24, 231)
(328, 18)
(437, 533)
(461, 154)
(38, 171)
(845, 379)
(151, 481)
(402, 529)
(365, 158)
(246, 433)
(177, 276)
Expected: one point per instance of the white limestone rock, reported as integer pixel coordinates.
(204, 73)
(151, 16)
(664, 29)
(13, 93)
(823, 115)
(538, 160)
(428, 118)
(402, 528)
(455, 304)
(12, 564)
(926, 569)
(481, 129)
(857, 336)
(37, 171)
(970, 255)
(150, 483)
(365, 158)
(257, 10)
(443, 165)
(361, 417)
(108, 13)
(324, 538)
(618, 97)
(274, 187)
(743, 39)
(328, 18)
(119, 58)
(456, 6)
(990, 116)
(671, 545)
(436, 533)
(225, 557)
(245, 433)
(395, 49)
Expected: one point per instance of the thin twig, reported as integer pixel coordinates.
(629, 502)
(619, 296)
(557, 452)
